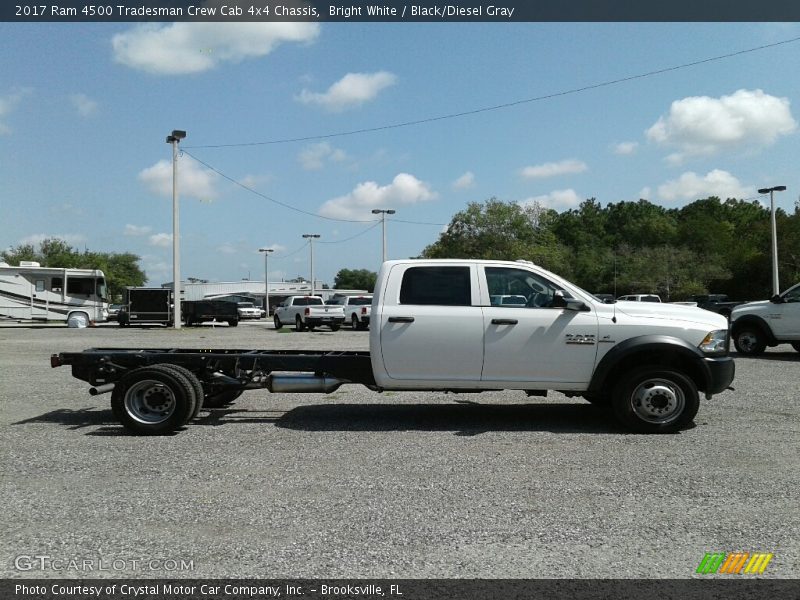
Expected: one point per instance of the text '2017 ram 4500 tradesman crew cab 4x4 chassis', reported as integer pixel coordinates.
(434, 328)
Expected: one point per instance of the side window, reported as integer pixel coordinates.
(518, 288)
(792, 295)
(442, 286)
(40, 285)
(80, 285)
(56, 284)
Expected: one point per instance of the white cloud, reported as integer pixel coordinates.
(404, 190)
(314, 157)
(352, 90)
(9, 104)
(703, 126)
(227, 249)
(466, 181)
(73, 239)
(625, 148)
(691, 186)
(136, 230)
(553, 169)
(253, 181)
(83, 104)
(193, 181)
(558, 200)
(182, 48)
(162, 240)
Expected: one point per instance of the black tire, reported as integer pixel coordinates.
(233, 323)
(277, 322)
(749, 340)
(153, 400)
(654, 399)
(189, 321)
(354, 322)
(221, 399)
(123, 319)
(335, 327)
(796, 346)
(199, 393)
(598, 399)
(298, 324)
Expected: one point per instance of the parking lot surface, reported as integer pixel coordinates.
(366, 485)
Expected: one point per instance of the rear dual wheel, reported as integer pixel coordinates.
(156, 399)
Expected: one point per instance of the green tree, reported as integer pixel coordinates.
(502, 231)
(121, 269)
(355, 279)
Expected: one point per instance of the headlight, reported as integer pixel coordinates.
(715, 342)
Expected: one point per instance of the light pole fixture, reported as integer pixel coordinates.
(311, 237)
(266, 252)
(174, 138)
(775, 283)
(383, 212)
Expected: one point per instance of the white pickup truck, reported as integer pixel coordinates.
(308, 312)
(756, 325)
(434, 327)
(357, 309)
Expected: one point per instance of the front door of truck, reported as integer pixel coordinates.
(535, 342)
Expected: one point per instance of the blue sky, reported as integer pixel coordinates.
(85, 109)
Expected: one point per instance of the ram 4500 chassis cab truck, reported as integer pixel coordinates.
(434, 328)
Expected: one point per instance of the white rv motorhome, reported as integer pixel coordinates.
(32, 292)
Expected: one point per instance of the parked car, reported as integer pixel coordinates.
(605, 298)
(308, 312)
(113, 311)
(640, 298)
(508, 300)
(718, 303)
(756, 325)
(356, 309)
(248, 310)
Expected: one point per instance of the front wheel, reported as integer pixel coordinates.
(796, 346)
(277, 322)
(749, 340)
(653, 399)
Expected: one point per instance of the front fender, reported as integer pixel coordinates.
(756, 321)
(652, 349)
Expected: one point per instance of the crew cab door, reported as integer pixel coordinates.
(538, 343)
(431, 327)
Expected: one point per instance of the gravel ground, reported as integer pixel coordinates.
(366, 485)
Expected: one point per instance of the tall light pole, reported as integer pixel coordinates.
(775, 284)
(174, 138)
(383, 212)
(311, 237)
(266, 252)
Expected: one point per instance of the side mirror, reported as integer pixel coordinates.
(776, 299)
(559, 301)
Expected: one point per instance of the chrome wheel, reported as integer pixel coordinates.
(658, 401)
(149, 401)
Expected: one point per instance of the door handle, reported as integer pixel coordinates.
(401, 319)
(504, 321)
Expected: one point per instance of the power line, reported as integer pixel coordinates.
(281, 256)
(507, 104)
(257, 193)
(360, 233)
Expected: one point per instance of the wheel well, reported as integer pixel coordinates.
(670, 359)
(756, 322)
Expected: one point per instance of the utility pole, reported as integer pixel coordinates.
(775, 283)
(174, 138)
(266, 252)
(311, 237)
(383, 212)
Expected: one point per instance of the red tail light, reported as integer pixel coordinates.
(363, 310)
(307, 311)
